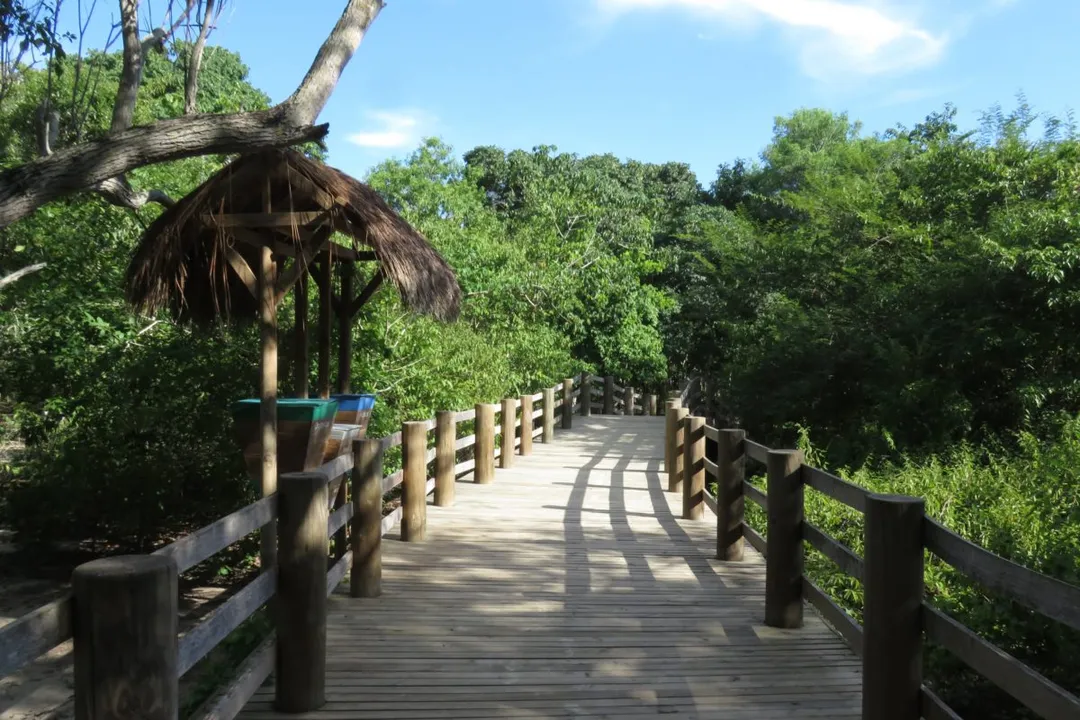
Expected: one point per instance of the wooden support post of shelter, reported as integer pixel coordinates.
(326, 298)
(301, 362)
(268, 384)
(345, 318)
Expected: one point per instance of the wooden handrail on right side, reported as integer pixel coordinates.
(896, 614)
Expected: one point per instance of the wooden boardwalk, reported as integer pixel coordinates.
(570, 588)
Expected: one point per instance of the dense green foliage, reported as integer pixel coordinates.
(904, 300)
(126, 419)
(908, 290)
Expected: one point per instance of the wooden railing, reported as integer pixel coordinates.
(328, 522)
(896, 615)
(607, 397)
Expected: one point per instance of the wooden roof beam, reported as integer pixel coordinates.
(366, 293)
(285, 248)
(300, 265)
(242, 270)
(266, 219)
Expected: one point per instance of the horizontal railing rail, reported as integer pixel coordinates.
(354, 488)
(897, 533)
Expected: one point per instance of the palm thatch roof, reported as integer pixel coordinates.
(187, 259)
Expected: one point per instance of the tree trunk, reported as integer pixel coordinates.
(25, 188)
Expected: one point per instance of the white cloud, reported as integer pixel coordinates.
(832, 37)
(391, 129)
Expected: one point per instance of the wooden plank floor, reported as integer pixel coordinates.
(570, 588)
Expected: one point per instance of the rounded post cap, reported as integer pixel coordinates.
(361, 442)
(121, 567)
(895, 499)
(302, 482)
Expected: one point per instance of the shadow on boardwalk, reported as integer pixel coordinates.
(568, 589)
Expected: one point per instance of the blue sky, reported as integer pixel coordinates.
(697, 81)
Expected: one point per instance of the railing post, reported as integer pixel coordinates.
(507, 420)
(649, 405)
(341, 539)
(567, 403)
(125, 623)
(414, 482)
(526, 425)
(784, 561)
(677, 439)
(892, 614)
(300, 610)
(609, 395)
(628, 401)
(585, 398)
(365, 579)
(548, 418)
(445, 437)
(693, 495)
(669, 433)
(731, 463)
(484, 450)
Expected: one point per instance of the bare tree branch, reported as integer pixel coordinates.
(19, 274)
(322, 77)
(118, 191)
(191, 82)
(131, 75)
(94, 164)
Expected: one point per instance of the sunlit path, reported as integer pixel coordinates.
(571, 588)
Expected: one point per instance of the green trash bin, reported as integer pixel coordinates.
(303, 431)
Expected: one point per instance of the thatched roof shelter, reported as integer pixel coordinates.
(189, 258)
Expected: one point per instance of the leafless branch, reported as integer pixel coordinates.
(191, 82)
(19, 274)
